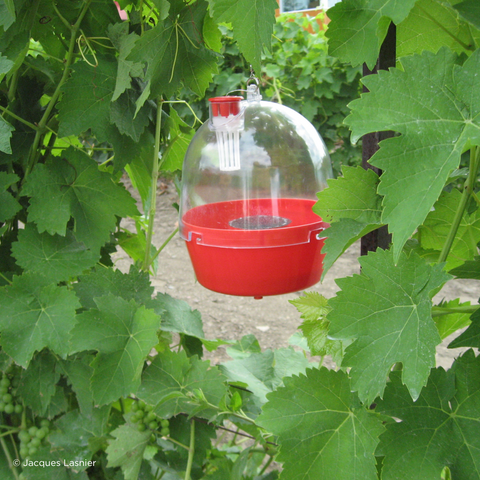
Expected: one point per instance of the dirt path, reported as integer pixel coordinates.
(273, 320)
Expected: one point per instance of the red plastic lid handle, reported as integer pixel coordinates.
(225, 106)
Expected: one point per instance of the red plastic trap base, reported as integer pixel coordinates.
(260, 262)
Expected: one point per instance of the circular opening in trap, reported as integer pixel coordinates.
(259, 222)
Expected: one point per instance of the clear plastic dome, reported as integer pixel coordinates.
(250, 178)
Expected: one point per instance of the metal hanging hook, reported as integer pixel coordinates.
(253, 78)
(253, 87)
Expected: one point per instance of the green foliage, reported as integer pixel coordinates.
(102, 379)
(359, 27)
(314, 309)
(302, 75)
(439, 429)
(427, 195)
(353, 207)
(386, 311)
(84, 98)
(348, 430)
(299, 73)
(418, 163)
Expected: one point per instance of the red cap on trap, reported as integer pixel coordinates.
(225, 106)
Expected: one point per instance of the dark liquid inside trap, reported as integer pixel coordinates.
(259, 222)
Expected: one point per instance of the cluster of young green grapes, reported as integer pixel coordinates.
(32, 438)
(145, 417)
(8, 402)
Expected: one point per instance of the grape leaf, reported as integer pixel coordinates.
(123, 334)
(439, 429)
(212, 34)
(8, 205)
(124, 43)
(79, 372)
(176, 37)
(37, 383)
(471, 336)
(180, 136)
(4, 462)
(139, 170)
(314, 309)
(323, 430)
(430, 25)
(469, 10)
(123, 115)
(163, 7)
(58, 403)
(387, 311)
(135, 244)
(177, 316)
(352, 206)
(126, 149)
(126, 450)
(244, 347)
(358, 28)
(5, 134)
(35, 315)
(74, 433)
(435, 229)
(74, 186)
(341, 235)
(470, 269)
(134, 285)
(51, 469)
(85, 103)
(311, 305)
(5, 65)
(434, 132)
(249, 19)
(7, 13)
(55, 257)
(448, 324)
(181, 430)
(354, 195)
(172, 378)
(264, 372)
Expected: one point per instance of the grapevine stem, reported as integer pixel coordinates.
(440, 311)
(267, 464)
(475, 197)
(9, 458)
(176, 442)
(5, 278)
(164, 244)
(153, 188)
(176, 52)
(4, 434)
(191, 109)
(61, 17)
(53, 100)
(191, 450)
(277, 91)
(12, 90)
(467, 192)
(13, 86)
(16, 117)
(140, 9)
(240, 415)
(160, 475)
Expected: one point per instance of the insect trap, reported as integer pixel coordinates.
(250, 178)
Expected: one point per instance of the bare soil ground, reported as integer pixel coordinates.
(273, 320)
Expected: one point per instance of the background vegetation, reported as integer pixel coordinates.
(90, 371)
(299, 73)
